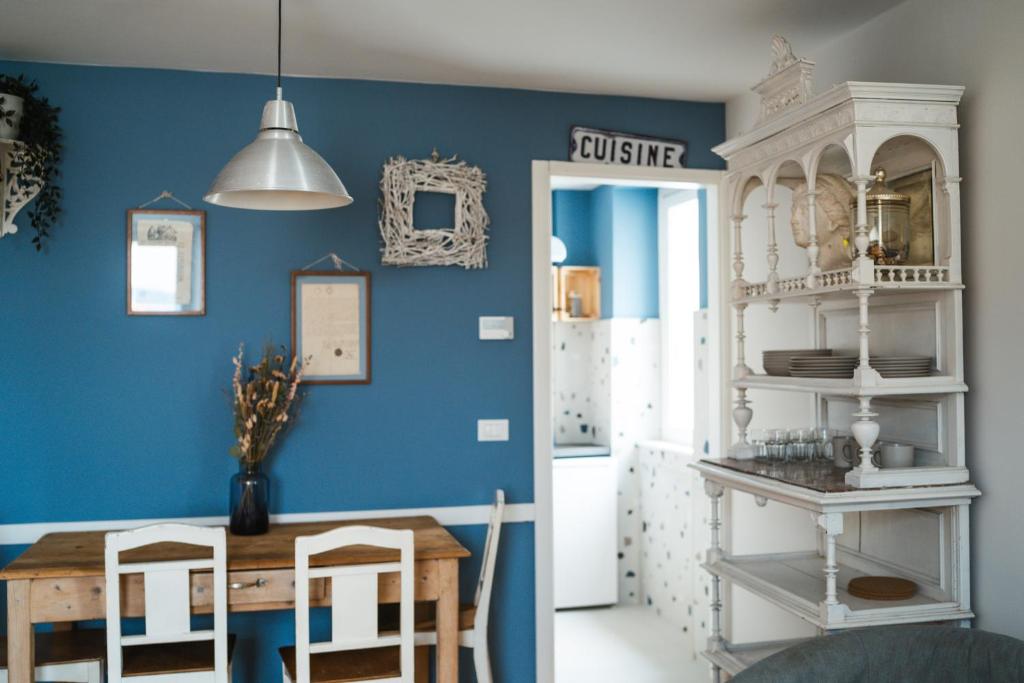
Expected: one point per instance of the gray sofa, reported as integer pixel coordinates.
(896, 654)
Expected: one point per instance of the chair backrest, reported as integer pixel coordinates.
(167, 592)
(482, 600)
(354, 596)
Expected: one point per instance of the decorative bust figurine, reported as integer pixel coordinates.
(833, 221)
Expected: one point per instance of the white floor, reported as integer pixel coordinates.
(623, 644)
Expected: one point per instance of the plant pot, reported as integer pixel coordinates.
(250, 501)
(11, 108)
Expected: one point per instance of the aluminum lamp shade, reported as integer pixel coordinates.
(277, 171)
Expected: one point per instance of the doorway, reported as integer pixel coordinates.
(619, 304)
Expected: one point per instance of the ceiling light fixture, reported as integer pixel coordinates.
(277, 171)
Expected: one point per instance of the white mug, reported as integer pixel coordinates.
(894, 455)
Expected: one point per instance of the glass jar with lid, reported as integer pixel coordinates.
(888, 222)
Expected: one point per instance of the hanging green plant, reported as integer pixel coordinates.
(38, 160)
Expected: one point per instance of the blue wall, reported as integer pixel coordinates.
(110, 417)
(615, 228)
(634, 281)
(571, 222)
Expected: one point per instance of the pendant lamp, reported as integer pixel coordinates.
(277, 171)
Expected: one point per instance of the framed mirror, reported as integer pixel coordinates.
(166, 262)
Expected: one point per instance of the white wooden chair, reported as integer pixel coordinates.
(357, 649)
(474, 619)
(169, 651)
(70, 656)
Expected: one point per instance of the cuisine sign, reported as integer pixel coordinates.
(609, 147)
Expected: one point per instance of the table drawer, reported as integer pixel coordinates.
(253, 587)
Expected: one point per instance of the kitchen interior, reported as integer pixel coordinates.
(628, 372)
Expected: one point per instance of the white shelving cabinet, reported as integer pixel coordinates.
(910, 522)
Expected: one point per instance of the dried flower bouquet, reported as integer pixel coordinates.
(265, 399)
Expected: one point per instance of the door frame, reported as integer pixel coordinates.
(543, 175)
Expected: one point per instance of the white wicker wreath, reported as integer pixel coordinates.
(464, 244)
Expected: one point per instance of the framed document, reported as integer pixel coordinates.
(166, 262)
(331, 325)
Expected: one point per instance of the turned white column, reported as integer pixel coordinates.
(741, 415)
(773, 249)
(714, 492)
(864, 330)
(814, 270)
(865, 430)
(832, 524)
(738, 283)
(860, 239)
(741, 369)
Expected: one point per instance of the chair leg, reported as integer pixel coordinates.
(482, 662)
(423, 664)
(284, 674)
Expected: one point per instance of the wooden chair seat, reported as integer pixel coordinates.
(347, 666)
(171, 658)
(64, 647)
(425, 617)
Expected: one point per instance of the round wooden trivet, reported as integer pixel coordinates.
(881, 588)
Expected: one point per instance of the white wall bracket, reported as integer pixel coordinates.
(15, 192)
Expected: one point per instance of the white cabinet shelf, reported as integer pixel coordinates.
(735, 657)
(796, 583)
(881, 280)
(824, 495)
(935, 384)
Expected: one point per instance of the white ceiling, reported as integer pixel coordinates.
(687, 49)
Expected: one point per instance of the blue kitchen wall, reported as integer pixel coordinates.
(634, 280)
(571, 222)
(602, 218)
(615, 228)
(109, 417)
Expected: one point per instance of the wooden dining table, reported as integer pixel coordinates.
(60, 580)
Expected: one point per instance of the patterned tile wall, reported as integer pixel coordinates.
(606, 391)
(576, 384)
(671, 504)
(635, 362)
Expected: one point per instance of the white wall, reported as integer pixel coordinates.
(978, 44)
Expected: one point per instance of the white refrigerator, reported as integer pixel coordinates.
(585, 527)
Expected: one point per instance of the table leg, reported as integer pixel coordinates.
(21, 639)
(448, 621)
(423, 664)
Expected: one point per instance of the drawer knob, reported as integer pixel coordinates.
(238, 585)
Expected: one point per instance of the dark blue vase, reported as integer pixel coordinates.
(250, 501)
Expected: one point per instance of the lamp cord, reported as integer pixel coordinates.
(279, 2)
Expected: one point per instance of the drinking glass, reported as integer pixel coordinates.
(823, 443)
(801, 445)
(776, 441)
(759, 441)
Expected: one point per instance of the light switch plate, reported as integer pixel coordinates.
(492, 430)
(497, 327)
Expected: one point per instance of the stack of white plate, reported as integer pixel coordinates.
(902, 366)
(777, 362)
(831, 367)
